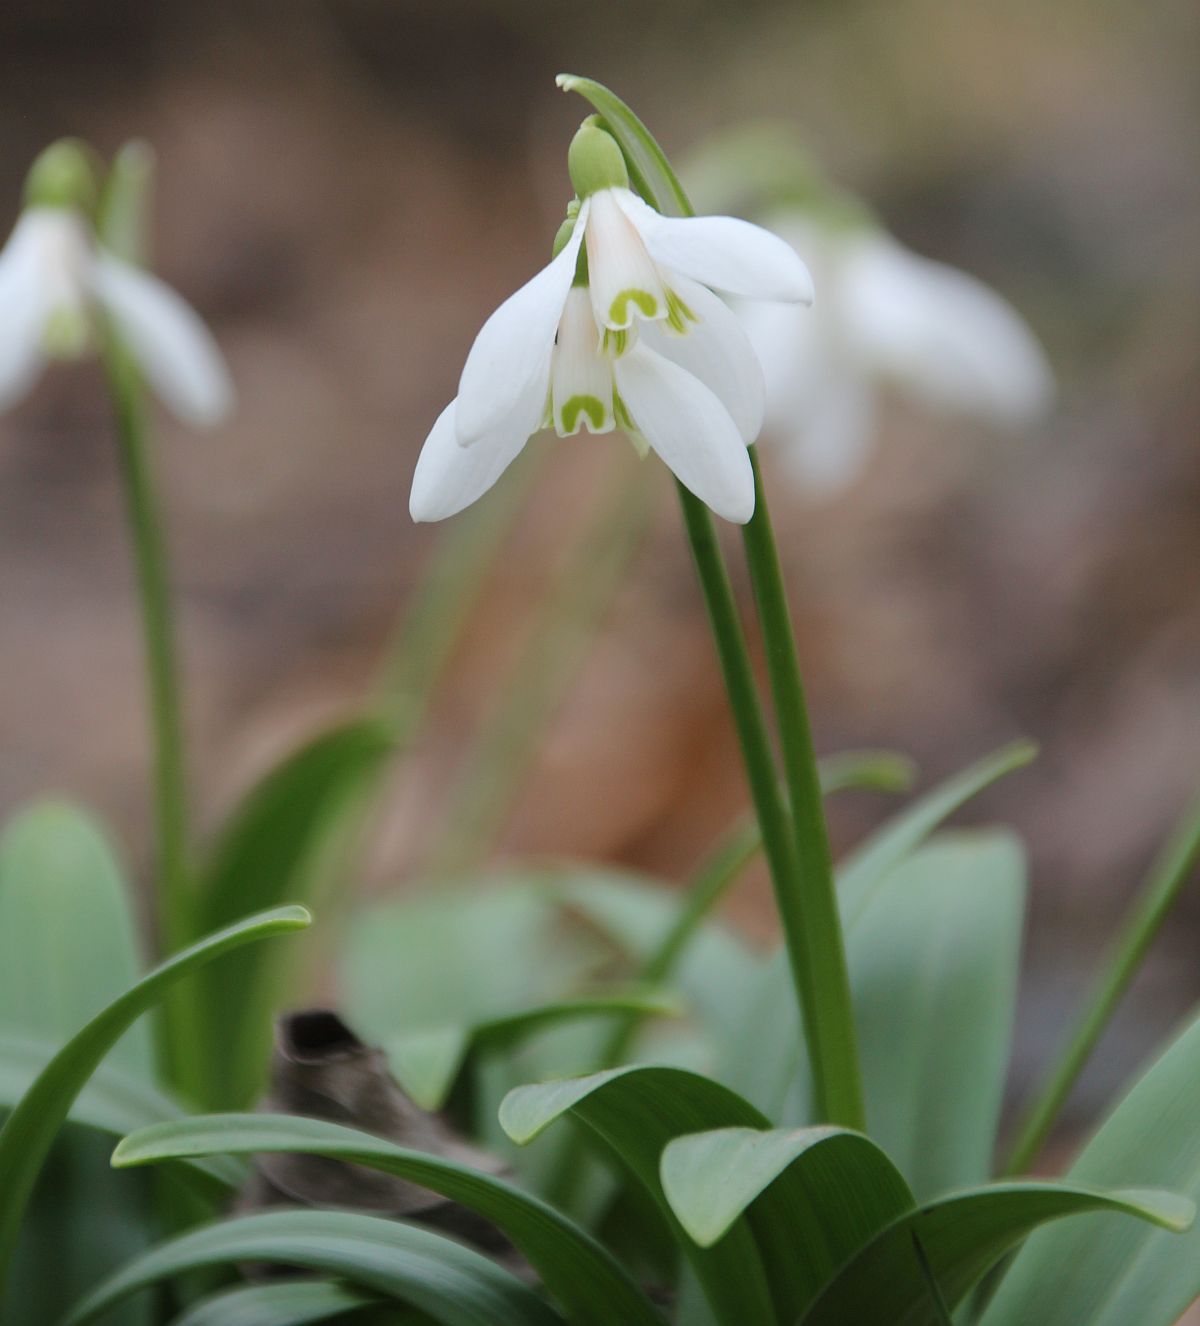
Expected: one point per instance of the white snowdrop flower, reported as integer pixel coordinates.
(621, 330)
(57, 281)
(886, 315)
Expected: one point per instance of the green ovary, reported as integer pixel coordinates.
(618, 311)
(587, 405)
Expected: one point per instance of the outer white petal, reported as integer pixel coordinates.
(690, 429)
(944, 334)
(513, 346)
(717, 350)
(722, 252)
(24, 306)
(172, 346)
(450, 476)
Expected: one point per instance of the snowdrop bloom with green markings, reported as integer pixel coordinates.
(57, 285)
(885, 316)
(621, 330)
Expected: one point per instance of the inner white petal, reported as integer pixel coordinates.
(624, 280)
(581, 377)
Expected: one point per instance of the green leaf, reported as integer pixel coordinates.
(286, 1303)
(67, 946)
(68, 943)
(590, 1285)
(30, 1130)
(274, 847)
(450, 1282)
(648, 167)
(766, 1061)
(112, 1101)
(934, 962)
(842, 1189)
(1104, 1271)
(962, 1236)
(636, 1112)
(427, 1062)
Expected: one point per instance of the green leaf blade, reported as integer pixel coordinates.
(575, 1268)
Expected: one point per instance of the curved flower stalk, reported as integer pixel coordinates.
(58, 284)
(621, 330)
(885, 315)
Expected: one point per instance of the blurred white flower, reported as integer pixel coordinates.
(54, 281)
(885, 315)
(621, 330)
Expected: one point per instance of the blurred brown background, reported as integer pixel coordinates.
(346, 189)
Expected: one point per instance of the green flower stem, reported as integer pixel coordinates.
(478, 806)
(1167, 877)
(812, 921)
(806, 906)
(173, 888)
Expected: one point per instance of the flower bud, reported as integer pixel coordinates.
(595, 161)
(63, 176)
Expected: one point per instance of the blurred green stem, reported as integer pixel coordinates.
(812, 922)
(166, 724)
(448, 590)
(1167, 877)
(477, 807)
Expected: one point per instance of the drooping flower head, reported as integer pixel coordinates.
(621, 330)
(57, 284)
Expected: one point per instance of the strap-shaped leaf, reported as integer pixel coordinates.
(962, 1237)
(587, 1281)
(842, 1189)
(450, 1282)
(765, 1057)
(1107, 1272)
(30, 1130)
(637, 1111)
(934, 962)
(281, 1303)
(274, 847)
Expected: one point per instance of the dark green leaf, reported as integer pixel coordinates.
(280, 1303)
(275, 846)
(585, 1279)
(452, 1283)
(963, 1235)
(841, 1187)
(30, 1130)
(636, 1112)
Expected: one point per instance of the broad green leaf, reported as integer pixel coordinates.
(458, 956)
(766, 1061)
(574, 1267)
(30, 1130)
(281, 1303)
(450, 1282)
(962, 1237)
(67, 946)
(68, 943)
(648, 167)
(934, 962)
(842, 1187)
(427, 1062)
(274, 846)
(637, 1112)
(1105, 1271)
